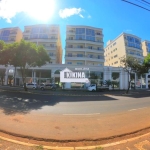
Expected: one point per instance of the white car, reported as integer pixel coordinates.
(31, 86)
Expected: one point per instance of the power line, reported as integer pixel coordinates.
(136, 5)
(146, 2)
(142, 2)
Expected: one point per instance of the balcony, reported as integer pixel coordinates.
(50, 48)
(49, 40)
(85, 49)
(99, 35)
(88, 58)
(133, 54)
(70, 32)
(13, 33)
(133, 46)
(84, 41)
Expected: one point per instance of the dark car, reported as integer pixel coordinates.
(48, 87)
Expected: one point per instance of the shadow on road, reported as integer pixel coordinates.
(13, 102)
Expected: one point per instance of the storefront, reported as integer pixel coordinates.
(94, 75)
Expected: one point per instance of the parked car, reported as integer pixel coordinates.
(48, 86)
(31, 86)
(93, 87)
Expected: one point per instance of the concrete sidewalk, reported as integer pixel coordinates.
(74, 128)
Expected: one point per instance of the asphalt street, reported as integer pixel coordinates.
(16, 102)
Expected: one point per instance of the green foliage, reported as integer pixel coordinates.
(130, 64)
(108, 82)
(23, 54)
(40, 147)
(98, 148)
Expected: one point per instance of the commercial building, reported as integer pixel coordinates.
(124, 45)
(146, 47)
(49, 37)
(84, 46)
(10, 35)
(96, 74)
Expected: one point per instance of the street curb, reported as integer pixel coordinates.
(75, 148)
(71, 140)
(59, 94)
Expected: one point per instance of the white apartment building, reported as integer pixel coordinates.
(124, 45)
(146, 47)
(84, 46)
(49, 37)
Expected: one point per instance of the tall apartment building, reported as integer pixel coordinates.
(146, 47)
(10, 35)
(49, 37)
(124, 45)
(84, 46)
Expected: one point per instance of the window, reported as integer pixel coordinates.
(69, 54)
(79, 63)
(98, 48)
(80, 46)
(89, 47)
(80, 37)
(114, 44)
(80, 30)
(50, 54)
(90, 38)
(35, 30)
(51, 45)
(115, 56)
(34, 36)
(43, 36)
(99, 57)
(52, 37)
(26, 38)
(116, 62)
(79, 55)
(90, 56)
(70, 38)
(70, 46)
(69, 63)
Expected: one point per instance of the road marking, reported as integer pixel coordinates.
(81, 114)
(137, 109)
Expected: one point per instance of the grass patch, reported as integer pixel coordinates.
(40, 147)
(98, 148)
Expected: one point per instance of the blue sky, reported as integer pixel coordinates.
(113, 16)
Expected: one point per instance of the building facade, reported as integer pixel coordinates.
(50, 73)
(84, 46)
(146, 47)
(124, 45)
(10, 35)
(49, 37)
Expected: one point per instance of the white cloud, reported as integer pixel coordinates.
(67, 12)
(39, 9)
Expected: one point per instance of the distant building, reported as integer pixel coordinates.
(10, 35)
(49, 37)
(84, 46)
(146, 47)
(124, 45)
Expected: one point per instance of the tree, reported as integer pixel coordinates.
(146, 63)
(2, 75)
(130, 65)
(25, 55)
(108, 82)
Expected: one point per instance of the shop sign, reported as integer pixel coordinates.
(67, 75)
